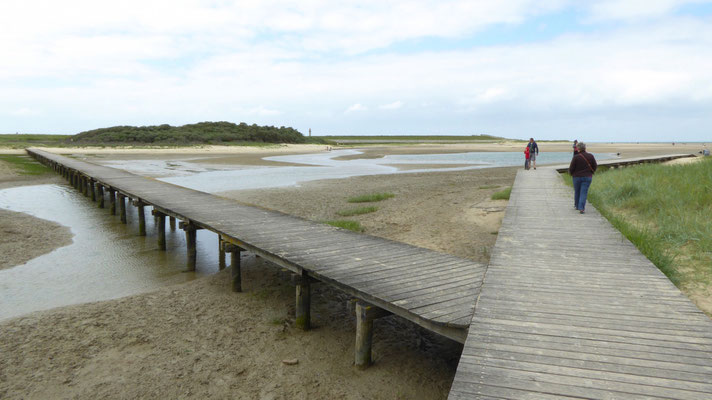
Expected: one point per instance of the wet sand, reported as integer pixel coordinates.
(199, 339)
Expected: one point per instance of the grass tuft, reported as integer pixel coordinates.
(502, 194)
(24, 165)
(369, 198)
(357, 211)
(346, 224)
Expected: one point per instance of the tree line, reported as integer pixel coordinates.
(200, 133)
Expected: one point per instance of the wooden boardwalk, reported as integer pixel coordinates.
(624, 162)
(571, 309)
(434, 290)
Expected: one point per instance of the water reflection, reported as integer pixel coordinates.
(106, 260)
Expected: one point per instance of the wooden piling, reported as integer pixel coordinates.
(122, 207)
(141, 218)
(303, 303)
(221, 254)
(112, 201)
(173, 223)
(235, 264)
(236, 271)
(100, 193)
(191, 235)
(161, 225)
(365, 314)
(93, 190)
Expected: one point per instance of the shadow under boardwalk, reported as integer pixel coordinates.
(570, 308)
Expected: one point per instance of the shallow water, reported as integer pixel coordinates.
(213, 178)
(106, 260)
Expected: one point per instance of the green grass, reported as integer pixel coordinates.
(22, 141)
(666, 211)
(346, 224)
(502, 194)
(24, 165)
(357, 211)
(368, 198)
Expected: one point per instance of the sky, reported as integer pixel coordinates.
(596, 70)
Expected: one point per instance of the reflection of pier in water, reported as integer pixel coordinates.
(434, 290)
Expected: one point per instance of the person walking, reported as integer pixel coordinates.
(575, 149)
(583, 166)
(526, 157)
(533, 152)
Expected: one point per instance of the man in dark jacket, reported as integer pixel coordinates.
(583, 166)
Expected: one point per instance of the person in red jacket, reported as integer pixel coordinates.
(583, 166)
(526, 158)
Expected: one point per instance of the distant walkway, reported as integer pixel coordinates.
(571, 309)
(623, 162)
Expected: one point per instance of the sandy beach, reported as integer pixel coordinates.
(199, 339)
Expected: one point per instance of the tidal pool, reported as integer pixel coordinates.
(106, 260)
(212, 178)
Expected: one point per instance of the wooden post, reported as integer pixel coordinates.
(236, 271)
(221, 254)
(161, 219)
(303, 312)
(365, 314)
(100, 193)
(173, 223)
(141, 217)
(85, 183)
(235, 265)
(93, 190)
(112, 201)
(190, 241)
(122, 207)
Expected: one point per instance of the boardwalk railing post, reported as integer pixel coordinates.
(100, 193)
(161, 219)
(303, 303)
(122, 207)
(190, 241)
(112, 201)
(365, 314)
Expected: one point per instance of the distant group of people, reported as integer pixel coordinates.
(530, 154)
(582, 167)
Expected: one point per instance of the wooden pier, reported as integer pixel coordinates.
(570, 308)
(625, 162)
(434, 290)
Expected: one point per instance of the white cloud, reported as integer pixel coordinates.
(356, 107)
(392, 106)
(286, 63)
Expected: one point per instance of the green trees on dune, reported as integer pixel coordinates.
(200, 133)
